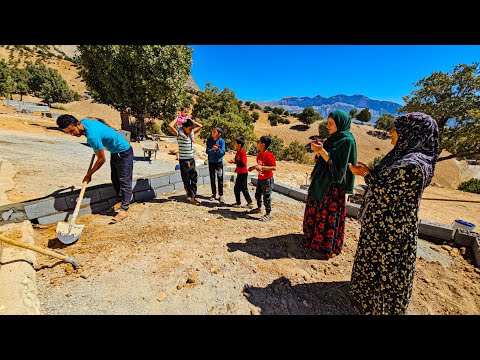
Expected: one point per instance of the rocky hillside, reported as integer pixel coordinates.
(324, 105)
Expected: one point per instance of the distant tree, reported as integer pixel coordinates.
(451, 95)
(20, 78)
(385, 122)
(55, 88)
(255, 116)
(278, 111)
(309, 116)
(286, 113)
(267, 109)
(6, 79)
(364, 115)
(273, 118)
(276, 146)
(294, 152)
(144, 81)
(322, 130)
(36, 73)
(247, 103)
(353, 113)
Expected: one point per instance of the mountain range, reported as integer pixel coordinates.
(325, 106)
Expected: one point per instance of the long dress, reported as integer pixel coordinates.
(324, 224)
(383, 270)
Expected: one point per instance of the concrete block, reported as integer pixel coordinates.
(100, 207)
(229, 177)
(167, 189)
(90, 197)
(352, 209)
(50, 219)
(476, 250)
(200, 180)
(107, 192)
(435, 232)
(282, 188)
(206, 179)
(203, 171)
(141, 196)
(298, 194)
(6, 215)
(112, 202)
(254, 180)
(157, 182)
(140, 185)
(174, 178)
(464, 237)
(178, 185)
(46, 207)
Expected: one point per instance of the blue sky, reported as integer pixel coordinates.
(270, 72)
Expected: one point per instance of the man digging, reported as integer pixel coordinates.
(100, 137)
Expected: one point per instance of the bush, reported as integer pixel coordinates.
(375, 161)
(164, 128)
(276, 147)
(472, 186)
(58, 106)
(255, 116)
(322, 130)
(274, 119)
(294, 152)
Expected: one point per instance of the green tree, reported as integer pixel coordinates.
(278, 111)
(385, 122)
(144, 81)
(364, 115)
(20, 77)
(255, 116)
(309, 116)
(6, 79)
(276, 146)
(294, 152)
(267, 109)
(322, 130)
(353, 113)
(472, 185)
(55, 89)
(247, 103)
(286, 113)
(451, 95)
(273, 118)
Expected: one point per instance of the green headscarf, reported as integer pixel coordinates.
(342, 149)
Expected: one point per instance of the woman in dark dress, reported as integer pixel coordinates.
(324, 219)
(384, 265)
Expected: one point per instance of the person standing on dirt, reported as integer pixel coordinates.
(186, 158)
(100, 137)
(215, 151)
(384, 266)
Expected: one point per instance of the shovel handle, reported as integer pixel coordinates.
(80, 197)
(33, 247)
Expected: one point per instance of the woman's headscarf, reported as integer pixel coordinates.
(417, 144)
(342, 150)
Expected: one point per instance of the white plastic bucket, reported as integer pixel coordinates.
(461, 224)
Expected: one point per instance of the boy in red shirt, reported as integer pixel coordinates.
(266, 164)
(242, 173)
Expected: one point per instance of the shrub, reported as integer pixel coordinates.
(375, 161)
(255, 116)
(294, 152)
(472, 185)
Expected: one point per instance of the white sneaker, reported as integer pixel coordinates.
(221, 199)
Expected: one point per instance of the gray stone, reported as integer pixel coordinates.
(50, 219)
(164, 190)
(200, 180)
(45, 207)
(18, 215)
(229, 177)
(203, 171)
(298, 194)
(464, 237)
(100, 207)
(476, 250)
(433, 231)
(107, 192)
(254, 180)
(112, 202)
(90, 197)
(141, 196)
(179, 185)
(282, 188)
(6, 215)
(140, 185)
(159, 181)
(206, 179)
(352, 209)
(174, 178)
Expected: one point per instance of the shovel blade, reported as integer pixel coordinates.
(68, 233)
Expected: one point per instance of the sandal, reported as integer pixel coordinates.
(194, 201)
(237, 205)
(255, 211)
(266, 218)
(122, 214)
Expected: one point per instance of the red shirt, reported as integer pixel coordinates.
(265, 159)
(241, 161)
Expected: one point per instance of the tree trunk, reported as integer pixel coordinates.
(125, 120)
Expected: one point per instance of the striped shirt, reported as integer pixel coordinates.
(185, 148)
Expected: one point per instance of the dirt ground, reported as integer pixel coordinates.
(170, 257)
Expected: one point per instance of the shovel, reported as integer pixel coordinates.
(36, 248)
(69, 233)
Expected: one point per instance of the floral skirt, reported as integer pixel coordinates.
(324, 224)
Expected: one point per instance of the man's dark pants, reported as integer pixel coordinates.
(121, 165)
(189, 176)
(216, 171)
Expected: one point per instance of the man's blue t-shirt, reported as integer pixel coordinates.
(101, 136)
(215, 156)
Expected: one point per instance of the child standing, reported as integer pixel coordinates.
(242, 173)
(265, 166)
(215, 151)
(180, 120)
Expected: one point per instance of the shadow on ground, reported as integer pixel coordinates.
(300, 127)
(277, 247)
(321, 298)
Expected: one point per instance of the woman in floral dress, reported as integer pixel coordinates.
(383, 269)
(324, 219)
